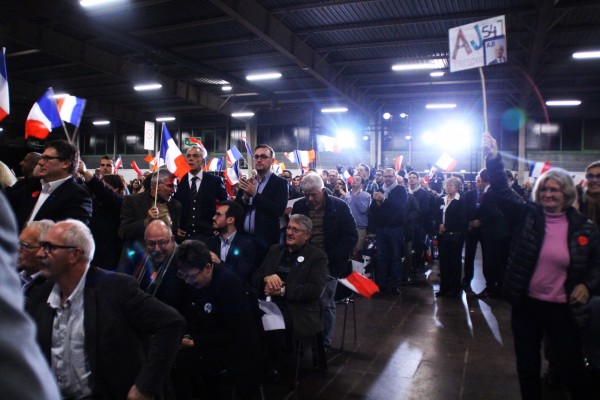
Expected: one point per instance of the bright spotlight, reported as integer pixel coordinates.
(428, 137)
(387, 115)
(346, 138)
(365, 137)
(455, 135)
(403, 115)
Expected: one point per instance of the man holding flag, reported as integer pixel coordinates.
(199, 194)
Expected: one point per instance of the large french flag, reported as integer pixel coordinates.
(4, 101)
(71, 109)
(43, 117)
(171, 156)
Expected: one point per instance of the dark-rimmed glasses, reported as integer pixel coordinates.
(261, 156)
(161, 243)
(591, 177)
(51, 247)
(49, 158)
(188, 277)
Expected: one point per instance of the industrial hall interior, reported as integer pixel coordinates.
(300, 199)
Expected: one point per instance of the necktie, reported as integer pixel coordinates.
(193, 189)
(224, 249)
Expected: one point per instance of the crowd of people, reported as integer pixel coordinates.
(193, 263)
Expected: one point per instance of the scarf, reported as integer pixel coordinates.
(388, 189)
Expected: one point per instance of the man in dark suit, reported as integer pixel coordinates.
(264, 198)
(473, 236)
(56, 196)
(230, 249)
(102, 335)
(499, 53)
(199, 194)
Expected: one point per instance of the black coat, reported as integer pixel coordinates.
(240, 257)
(197, 213)
(340, 232)
(69, 200)
(120, 322)
(528, 217)
(269, 206)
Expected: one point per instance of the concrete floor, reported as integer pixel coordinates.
(414, 346)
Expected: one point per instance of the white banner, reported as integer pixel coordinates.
(478, 44)
(149, 135)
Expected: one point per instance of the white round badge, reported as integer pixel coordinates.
(207, 308)
(300, 259)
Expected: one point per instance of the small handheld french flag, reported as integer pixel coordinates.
(43, 117)
(4, 101)
(71, 109)
(538, 168)
(118, 164)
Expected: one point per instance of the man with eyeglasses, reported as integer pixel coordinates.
(139, 209)
(55, 195)
(589, 201)
(199, 194)
(28, 264)
(222, 326)
(103, 336)
(264, 199)
(294, 193)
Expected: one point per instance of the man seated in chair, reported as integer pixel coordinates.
(222, 325)
(294, 276)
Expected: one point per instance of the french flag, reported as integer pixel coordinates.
(538, 168)
(136, 168)
(43, 117)
(233, 154)
(247, 145)
(446, 162)
(118, 164)
(360, 284)
(171, 156)
(71, 109)
(4, 102)
(214, 165)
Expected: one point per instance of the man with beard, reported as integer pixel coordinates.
(230, 249)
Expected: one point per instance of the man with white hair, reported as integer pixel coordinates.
(334, 231)
(28, 264)
(102, 335)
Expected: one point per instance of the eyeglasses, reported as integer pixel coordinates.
(591, 177)
(294, 230)
(389, 176)
(161, 243)
(261, 156)
(171, 186)
(188, 277)
(26, 246)
(50, 247)
(49, 158)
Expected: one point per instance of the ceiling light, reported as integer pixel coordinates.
(1, 129)
(94, 3)
(440, 106)
(242, 114)
(436, 74)
(334, 110)
(263, 76)
(563, 103)
(408, 137)
(60, 95)
(586, 54)
(147, 86)
(165, 119)
(403, 115)
(101, 122)
(432, 64)
(226, 88)
(387, 115)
